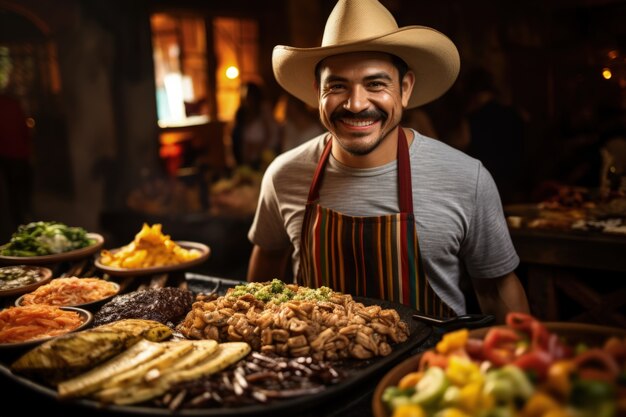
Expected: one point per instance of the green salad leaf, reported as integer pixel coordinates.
(45, 238)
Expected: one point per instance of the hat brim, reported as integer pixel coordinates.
(431, 55)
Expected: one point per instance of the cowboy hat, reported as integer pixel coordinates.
(366, 25)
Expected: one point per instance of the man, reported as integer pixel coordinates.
(350, 204)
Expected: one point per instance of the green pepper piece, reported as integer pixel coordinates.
(431, 387)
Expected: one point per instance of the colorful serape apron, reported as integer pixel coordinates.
(375, 257)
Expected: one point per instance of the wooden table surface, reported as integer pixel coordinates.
(574, 275)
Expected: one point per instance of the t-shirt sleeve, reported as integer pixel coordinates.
(488, 251)
(268, 229)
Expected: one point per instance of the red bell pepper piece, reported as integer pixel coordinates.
(597, 364)
(538, 361)
(500, 344)
(537, 332)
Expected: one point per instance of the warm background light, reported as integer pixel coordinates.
(606, 73)
(232, 72)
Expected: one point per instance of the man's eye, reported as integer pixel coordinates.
(376, 84)
(335, 87)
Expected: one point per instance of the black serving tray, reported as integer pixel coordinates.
(359, 373)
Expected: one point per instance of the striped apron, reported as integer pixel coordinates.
(376, 257)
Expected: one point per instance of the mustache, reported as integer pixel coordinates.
(365, 114)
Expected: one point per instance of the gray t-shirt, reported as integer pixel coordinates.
(460, 222)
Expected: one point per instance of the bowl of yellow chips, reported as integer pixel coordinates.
(151, 252)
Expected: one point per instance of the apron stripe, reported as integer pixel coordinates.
(325, 249)
(378, 255)
(419, 287)
(412, 264)
(332, 276)
(323, 276)
(342, 277)
(304, 246)
(360, 283)
(404, 253)
(350, 271)
(352, 283)
(364, 256)
(397, 248)
(388, 258)
(316, 249)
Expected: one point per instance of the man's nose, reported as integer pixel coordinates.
(357, 100)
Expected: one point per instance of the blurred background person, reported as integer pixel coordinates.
(496, 135)
(15, 166)
(255, 131)
(300, 123)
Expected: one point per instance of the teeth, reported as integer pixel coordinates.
(357, 122)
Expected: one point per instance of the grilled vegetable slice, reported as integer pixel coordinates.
(92, 380)
(179, 355)
(69, 355)
(225, 355)
(173, 351)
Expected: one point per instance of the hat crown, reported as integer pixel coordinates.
(355, 20)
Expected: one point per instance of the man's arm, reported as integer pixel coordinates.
(498, 296)
(266, 265)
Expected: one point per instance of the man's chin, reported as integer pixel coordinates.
(358, 149)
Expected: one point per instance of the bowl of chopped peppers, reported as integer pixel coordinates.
(526, 368)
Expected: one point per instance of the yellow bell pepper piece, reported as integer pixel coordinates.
(452, 341)
(559, 377)
(410, 380)
(409, 410)
(560, 412)
(472, 398)
(539, 404)
(452, 412)
(462, 371)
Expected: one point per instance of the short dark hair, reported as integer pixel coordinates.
(397, 62)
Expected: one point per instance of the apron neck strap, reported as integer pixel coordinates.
(405, 189)
(314, 191)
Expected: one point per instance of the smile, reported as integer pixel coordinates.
(358, 122)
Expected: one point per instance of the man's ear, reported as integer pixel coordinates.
(407, 84)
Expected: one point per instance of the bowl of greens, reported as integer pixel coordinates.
(49, 242)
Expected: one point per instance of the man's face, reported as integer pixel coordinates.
(361, 99)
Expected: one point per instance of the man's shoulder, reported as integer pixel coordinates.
(437, 151)
(442, 163)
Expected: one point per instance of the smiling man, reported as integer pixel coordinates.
(370, 208)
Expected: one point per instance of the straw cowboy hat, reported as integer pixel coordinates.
(366, 25)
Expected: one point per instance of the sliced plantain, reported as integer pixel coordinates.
(174, 351)
(143, 386)
(202, 350)
(71, 354)
(147, 329)
(225, 355)
(91, 381)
